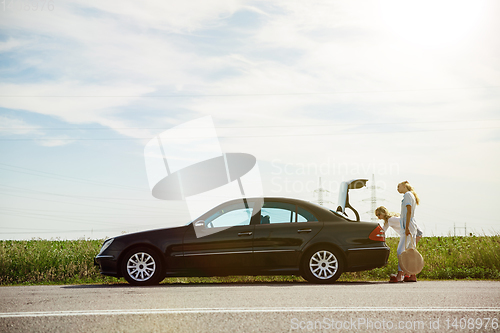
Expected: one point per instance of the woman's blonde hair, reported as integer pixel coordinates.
(385, 211)
(412, 190)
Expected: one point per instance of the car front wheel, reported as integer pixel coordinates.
(322, 266)
(142, 266)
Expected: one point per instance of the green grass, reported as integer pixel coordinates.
(71, 262)
(50, 262)
(445, 258)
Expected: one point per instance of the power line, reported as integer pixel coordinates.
(264, 136)
(67, 178)
(76, 197)
(115, 215)
(438, 213)
(77, 204)
(248, 95)
(250, 127)
(83, 197)
(57, 219)
(72, 216)
(57, 231)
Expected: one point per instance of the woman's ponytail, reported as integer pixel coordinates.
(412, 190)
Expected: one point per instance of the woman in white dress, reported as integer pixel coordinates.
(391, 220)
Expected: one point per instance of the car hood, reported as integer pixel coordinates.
(144, 234)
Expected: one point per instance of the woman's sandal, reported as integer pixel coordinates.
(394, 279)
(409, 279)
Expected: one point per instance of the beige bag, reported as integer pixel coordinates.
(410, 260)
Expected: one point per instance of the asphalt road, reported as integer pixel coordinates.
(425, 306)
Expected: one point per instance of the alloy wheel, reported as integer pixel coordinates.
(323, 265)
(141, 266)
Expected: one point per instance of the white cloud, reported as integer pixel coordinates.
(12, 44)
(70, 101)
(260, 64)
(12, 125)
(61, 140)
(339, 47)
(175, 16)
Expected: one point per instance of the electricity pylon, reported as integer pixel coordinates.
(373, 200)
(320, 192)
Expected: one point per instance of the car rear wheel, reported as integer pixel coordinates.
(322, 266)
(142, 266)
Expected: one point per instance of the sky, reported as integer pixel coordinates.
(381, 90)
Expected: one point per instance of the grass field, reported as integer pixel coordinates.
(71, 262)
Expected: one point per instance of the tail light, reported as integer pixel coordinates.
(377, 234)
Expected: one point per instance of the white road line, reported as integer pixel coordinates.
(235, 310)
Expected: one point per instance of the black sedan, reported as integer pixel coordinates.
(259, 236)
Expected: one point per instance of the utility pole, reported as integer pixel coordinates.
(320, 192)
(373, 200)
(455, 228)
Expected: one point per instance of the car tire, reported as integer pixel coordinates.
(322, 265)
(142, 266)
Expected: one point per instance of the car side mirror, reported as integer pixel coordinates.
(199, 223)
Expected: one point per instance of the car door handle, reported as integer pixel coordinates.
(304, 230)
(248, 233)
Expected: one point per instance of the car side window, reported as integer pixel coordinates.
(230, 216)
(277, 212)
(304, 215)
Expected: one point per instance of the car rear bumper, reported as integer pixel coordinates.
(367, 257)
